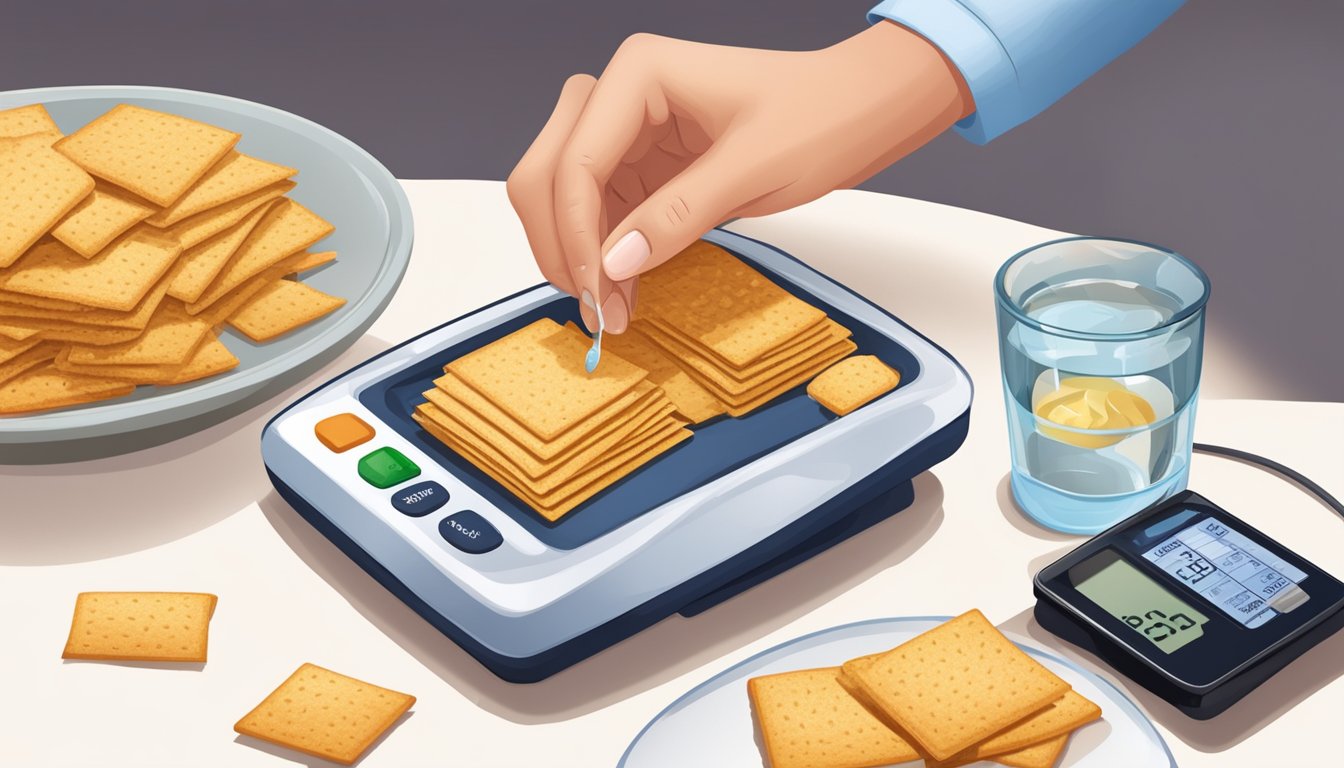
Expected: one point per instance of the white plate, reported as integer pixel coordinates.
(711, 725)
(337, 180)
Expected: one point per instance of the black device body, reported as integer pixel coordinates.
(1205, 676)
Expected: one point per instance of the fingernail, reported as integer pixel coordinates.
(589, 317)
(587, 299)
(627, 256)
(615, 313)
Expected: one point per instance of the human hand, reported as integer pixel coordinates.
(677, 137)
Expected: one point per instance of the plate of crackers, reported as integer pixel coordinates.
(169, 258)
(931, 691)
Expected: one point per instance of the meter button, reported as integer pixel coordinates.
(387, 467)
(420, 499)
(470, 533)
(342, 432)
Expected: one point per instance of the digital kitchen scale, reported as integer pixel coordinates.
(742, 500)
(1190, 602)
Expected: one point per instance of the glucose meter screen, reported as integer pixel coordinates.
(1121, 590)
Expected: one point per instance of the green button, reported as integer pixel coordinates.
(386, 467)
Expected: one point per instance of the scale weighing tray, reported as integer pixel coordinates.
(740, 501)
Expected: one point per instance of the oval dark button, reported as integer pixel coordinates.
(470, 533)
(420, 499)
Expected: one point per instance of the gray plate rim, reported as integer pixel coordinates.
(170, 406)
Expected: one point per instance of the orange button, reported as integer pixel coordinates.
(343, 431)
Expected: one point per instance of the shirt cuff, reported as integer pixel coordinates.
(974, 50)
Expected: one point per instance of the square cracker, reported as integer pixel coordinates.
(38, 187)
(45, 387)
(322, 713)
(141, 626)
(24, 121)
(233, 177)
(726, 306)
(171, 338)
(210, 359)
(808, 720)
(598, 423)
(118, 278)
(1042, 755)
(193, 231)
(1071, 711)
(536, 376)
(578, 489)
(282, 307)
(286, 229)
(152, 154)
(957, 684)
(852, 383)
(99, 219)
(202, 263)
(542, 477)
(691, 400)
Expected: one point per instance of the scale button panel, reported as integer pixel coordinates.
(343, 431)
(420, 499)
(470, 532)
(387, 467)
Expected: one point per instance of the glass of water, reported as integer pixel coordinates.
(1101, 343)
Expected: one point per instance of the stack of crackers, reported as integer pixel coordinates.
(957, 694)
(712, 336)
(740, 336)
(127, 245)
(525, 412)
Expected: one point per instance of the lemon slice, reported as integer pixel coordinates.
(1091, 402)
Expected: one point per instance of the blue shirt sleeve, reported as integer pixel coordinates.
(1020, 56)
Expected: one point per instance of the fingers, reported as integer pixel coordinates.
(693, 202)
(624, 101)
(530, 186)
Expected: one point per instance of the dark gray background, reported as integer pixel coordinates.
(1218, 136)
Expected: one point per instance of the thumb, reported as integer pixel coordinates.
(690, 204)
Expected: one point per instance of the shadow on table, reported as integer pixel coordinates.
(313, 761)
(70, 513)
(660, 653)
(1011, 512)
(1294, 684)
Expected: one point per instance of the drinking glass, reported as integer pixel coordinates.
(1101, 343)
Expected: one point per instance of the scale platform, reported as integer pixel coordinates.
(740, 501)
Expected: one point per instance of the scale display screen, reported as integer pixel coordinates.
(1123, 591)
(1245, 580)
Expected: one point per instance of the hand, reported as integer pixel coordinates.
(677, 137)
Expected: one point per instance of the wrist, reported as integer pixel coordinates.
(905, 55)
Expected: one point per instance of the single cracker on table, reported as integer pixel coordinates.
(853, 383)
(44, 387)
(325, 714)
(195, 230)
(536, 376)
(118, 278)
(282, 307)
(39, 188)
(154, 155)
(237, 175)
(25, 121)
(98, 219)
(808, 720)
(957, 684)
(141, 626)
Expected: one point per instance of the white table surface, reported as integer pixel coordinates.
(200, 515)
